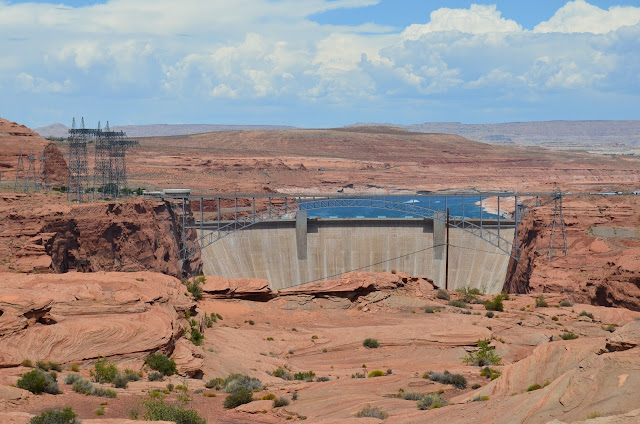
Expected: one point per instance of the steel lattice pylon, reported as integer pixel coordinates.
(78, 177)
(20, 183)
(557, 226)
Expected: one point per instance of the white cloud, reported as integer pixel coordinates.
(29, 83)
(478, 19)
(580, 16)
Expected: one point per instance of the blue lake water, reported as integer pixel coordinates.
(459, 206)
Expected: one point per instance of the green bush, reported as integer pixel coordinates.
(215, 383)
(238, 382)
(430, 309)
(376, 373)
(370, 343)
(372, 412)
(495, 304)
(480, 399)
(155, 376)
(27, 363)
(194, 288)
(280, 402)
(410, 395)
(469, 294)
(568, 335)
(533, 387)
(72, 378)
(586, 314)
(456, 380)
(566, 303)
(37, 381)
(304, 376)
(490, 373)
(120, 381)
(56, 416)
(282, 373)
(322, 379)
(85, 387)
(48, 366)
(431, 401)
(104, 372)
(489, 314)
(486, 355)
(441, 294)
(161, 363)
(458, 304)
(157, 410)
(102, 392)
(238, 398)
(540, 302)
(196, 337)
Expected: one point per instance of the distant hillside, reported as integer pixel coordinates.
(160, 130)
(621, 137)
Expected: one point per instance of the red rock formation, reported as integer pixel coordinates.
(15, 138)
(45, 233)
(603, 265)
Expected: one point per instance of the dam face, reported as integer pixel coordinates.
(288, 253)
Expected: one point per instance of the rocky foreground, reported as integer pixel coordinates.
(75, 319)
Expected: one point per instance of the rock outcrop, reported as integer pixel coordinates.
(46, 234)
(16, 139)
(77, 316)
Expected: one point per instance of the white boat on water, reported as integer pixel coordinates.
(412, 201)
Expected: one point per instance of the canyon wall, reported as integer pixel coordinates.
(603, 265)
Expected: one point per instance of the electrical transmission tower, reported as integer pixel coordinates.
(42, 171)
(102, 164)
(32, 174)
(557, 226)
(77, 181)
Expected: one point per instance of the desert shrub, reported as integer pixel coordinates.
(72, 378)
(48, 366)
(566, 303)
(155, 376)
(304, 376)
(490, 373)
(194, 288)
(486, 355)
(120, 381)
(268, 396)
(280, 402)
(489, 314)
(100, 411)
(283, 374)
(476, 386)
(430, 309)
(85, 387)
(376, 373)
(469, 294)
(410, 395)
(593, 415)
(27, 363)
(431, 401)
(372, 412)
(586, 314)
(533, 387)
(456, 380)
(480, 399)
(37, 381)
(161, 363)
(495, 304)
(358, 375)
(104, 372)
(555, 318)
(196, 337)
(238, 398)
(56, 416)
(238, 382)
(322, 379)
(441, 294)
(568, 335)
(610, 328)
(157, 410)
(540, 302)
(132, 375)
(370, 343)
(458, 304)
(215, 383)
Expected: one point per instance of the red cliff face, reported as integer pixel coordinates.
(43, 233)
(603, 265)
(16, 138)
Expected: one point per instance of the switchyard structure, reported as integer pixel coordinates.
(110, 165)
(558, 239)
(26, 179)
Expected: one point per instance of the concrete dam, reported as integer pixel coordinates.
(290, 252)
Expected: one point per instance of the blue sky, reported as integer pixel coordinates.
(318, 63)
